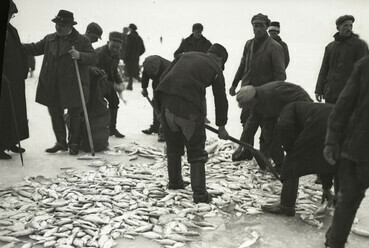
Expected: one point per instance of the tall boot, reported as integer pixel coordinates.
(175, 172)
(130, 82)
(198, 183)
(113, 124)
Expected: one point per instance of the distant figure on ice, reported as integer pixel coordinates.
(13, 111)
(123, 67)
(274, 30)
(31, 65)
(302, 127)
(195, 42)
(58, 84)
(108, 61)
(262, 62)
(350, 150)
(93, 32)
(161, 39)
(134, 49)
(180, 96)
(153, 68)
(338, 62)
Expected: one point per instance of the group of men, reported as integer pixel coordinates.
(314, 136)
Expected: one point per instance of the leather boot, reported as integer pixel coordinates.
(17, 149)
(161, 137)
(198, 183)
(150, 130)
(113, 123)
(175, 172)
(57, 147)
(3, 155)
(278, 209)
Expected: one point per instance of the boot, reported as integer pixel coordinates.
(4, 156)
(113, 123)
(150, 130)
(161, 137)
(130, 82)
(57, 147)
(175, 172)
(241, 154)
(17, 149)
(198, 183)
(278, 209)
(73, 149)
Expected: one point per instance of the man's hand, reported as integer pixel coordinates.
(144, 92)
(331, 153)
(222, 133)
(119, 87)
(232, 91)
(75, 54)
(319, 97)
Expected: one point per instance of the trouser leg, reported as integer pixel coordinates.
(270, 144)
(57, 121)
(75, 115)
(289, 192)
(175, 171)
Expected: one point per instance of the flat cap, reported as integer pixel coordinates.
(115, 36)
(197, 26)
(151, 65)
(344, 18)
(274, 26)
(94, 28)
(260, 18)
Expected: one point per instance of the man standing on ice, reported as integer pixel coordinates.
(181, 96)
(262, 62)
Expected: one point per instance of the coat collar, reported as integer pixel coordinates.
(262, 46)
(73, 36)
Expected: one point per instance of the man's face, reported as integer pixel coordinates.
(273, 33)
(62, 29)
(260, 29)
(345, 28)
(114, 47)
(197, 33)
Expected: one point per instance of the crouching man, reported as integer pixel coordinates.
(181, 97)
(301, 128)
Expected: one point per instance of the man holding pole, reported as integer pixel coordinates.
(58, 83)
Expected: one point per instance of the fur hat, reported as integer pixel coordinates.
(344, 18)
(245, 95)
(274, 26)
(260, 18)
(64, 17)
(151, 65)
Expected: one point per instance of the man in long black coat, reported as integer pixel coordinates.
(131, 57)
(58, 84)
(302, 127)
(15, 70)
(181, 96)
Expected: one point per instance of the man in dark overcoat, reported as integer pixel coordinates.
(108, 61)
(58, 84)
(350, 148)
(181, 96)
(131, 57)
(154, 67)
(196, 42)
(266, 103)
(15, 70)
(302, 128)
(262, 62)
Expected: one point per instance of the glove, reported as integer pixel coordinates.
(331, 153)
(144, 92)
(232, 91)
(222, 133)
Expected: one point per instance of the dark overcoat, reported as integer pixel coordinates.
(302, 127)
(134, 49)
(58, 84)
(15, 70)
(190, 44)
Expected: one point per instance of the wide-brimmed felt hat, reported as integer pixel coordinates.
(65, 17)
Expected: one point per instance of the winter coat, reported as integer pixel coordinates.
(58, 83)
(302, 127)
(338, 63)
(285, 50)
(15, 70)
(264, 65)
(190, 44)
(155, 78)
(109, 64)
(351, 113)
(188, 76)
(134, 49)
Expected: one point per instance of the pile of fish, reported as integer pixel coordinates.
(93, 208)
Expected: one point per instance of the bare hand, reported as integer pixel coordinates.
(144, 92)
(232, 91)
(330, 153)
(74, 53)
(319, 97)
(222, 133)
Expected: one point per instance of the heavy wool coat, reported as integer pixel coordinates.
(134, 49)
(58, 84)
(264, 65)
(15, 70)
(337, 66)
(302, 127)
